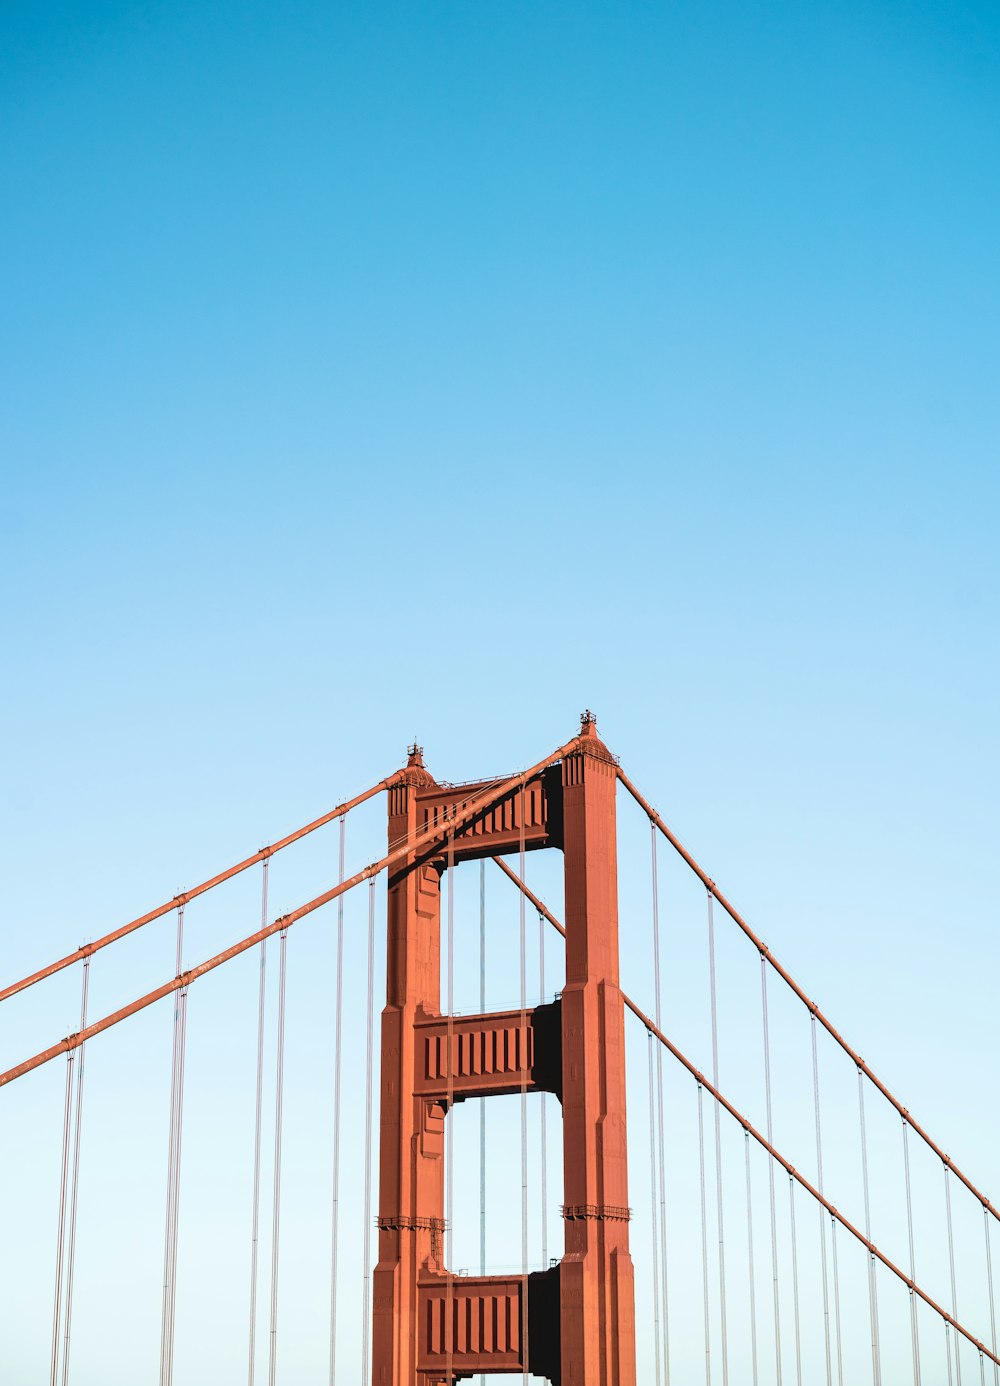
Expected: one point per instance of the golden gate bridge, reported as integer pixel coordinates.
(810, 1292)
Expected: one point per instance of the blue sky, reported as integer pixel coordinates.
(443, 369)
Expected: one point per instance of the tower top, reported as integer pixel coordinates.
(414, 772)
(589, 743)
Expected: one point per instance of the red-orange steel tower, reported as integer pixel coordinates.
(573, 1324)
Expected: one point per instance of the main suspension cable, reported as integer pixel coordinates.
(718, 1144)
(186, 896)
(75, 1177)
(424, 841)
(790, 981)
(777, 1158)
(836, 1217)
(337, 1074)
(258, 1127)
(367, 1215)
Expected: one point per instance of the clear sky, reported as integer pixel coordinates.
(371, 371)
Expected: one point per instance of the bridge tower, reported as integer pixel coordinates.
(572, 1324)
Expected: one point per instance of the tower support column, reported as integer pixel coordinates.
(411, 1174)
(597, 1313)
(572, 1324)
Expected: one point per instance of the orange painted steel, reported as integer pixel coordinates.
(588, 829)
(457, 1057)
(762, 1140)
(530, 895)
(182, 899)
(398, 854)
(810, 1005)
(596, 1274)
(411, 1206)
(573, 1323)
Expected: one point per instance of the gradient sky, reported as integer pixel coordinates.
(442, 369)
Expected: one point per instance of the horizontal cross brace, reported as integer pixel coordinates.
(530, 814)
(487, 1055)
(470, 1324)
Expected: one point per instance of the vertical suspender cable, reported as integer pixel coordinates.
(795, 1281)
(279, 1123)
(541, 1113)
(482, 1100)
(524, 1090)
(449, 1164)
(770, 1172)
(704, 1237)
(836, 1300)
(172, 1308)
(914, 1329)
(61, 1221)
(659, 1107)
(258, 1125)
(175, 1218)
(75, 1178)
(951, 1264)
(168, 1267)
(872, 1288)
(753, 1289)
(822, 1211)
(718, 1145)
(177, 1179)
(279, 1104)
(167, 1238)
(367, 1234)
(337, 1071)
(657, 1354)
(989, 1283)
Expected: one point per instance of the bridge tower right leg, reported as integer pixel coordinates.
(596, 1276)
